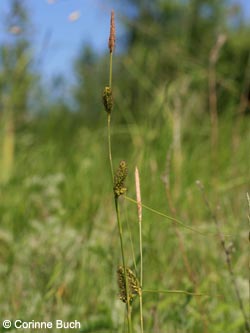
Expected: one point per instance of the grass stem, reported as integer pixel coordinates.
(111, 48)
(124, 265)
(110, 69)
(109, 147)
(139, 208)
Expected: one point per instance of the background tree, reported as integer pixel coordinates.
(88, 70)
(15, 80)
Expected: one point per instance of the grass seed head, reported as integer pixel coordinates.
(133, 284)
(107, 98)
(111, 43)
(119, 179)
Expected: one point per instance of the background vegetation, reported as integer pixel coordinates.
(182, 94)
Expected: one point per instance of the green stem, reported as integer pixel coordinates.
(141, 275)
(109, 118)
(110, 69)
(124, 264)
(109, 147)
(117, 204)
(141, 311)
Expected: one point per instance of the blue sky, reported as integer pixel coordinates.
(57, 38)
(60, 27)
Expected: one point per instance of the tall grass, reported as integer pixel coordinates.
(118, 178)
(59, 238)
(58, 232)
(125, 275)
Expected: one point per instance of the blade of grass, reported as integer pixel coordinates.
(166, 291)
(167, 217)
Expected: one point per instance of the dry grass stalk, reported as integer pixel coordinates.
(248, 200)
(138, 194)
(139, 209)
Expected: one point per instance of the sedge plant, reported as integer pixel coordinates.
(118, 182)
(129, 285)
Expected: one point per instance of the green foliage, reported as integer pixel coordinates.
(15, 84)
(15, 61)
(59, 247)
(88, 91)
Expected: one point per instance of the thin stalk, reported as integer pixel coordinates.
(141, 264)
(109, 117)
(141, 311)
(248, 199)
(139, 208)
(109, 147)
(124, 264)
(169, 217)
(111, 46)
(110, 69)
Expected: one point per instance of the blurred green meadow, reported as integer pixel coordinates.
(181, 114)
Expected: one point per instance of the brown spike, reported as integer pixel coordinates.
(112, 32)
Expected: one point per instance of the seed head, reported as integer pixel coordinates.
(107, 98)
(111, 43)
(133, 284)
(119, 179)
